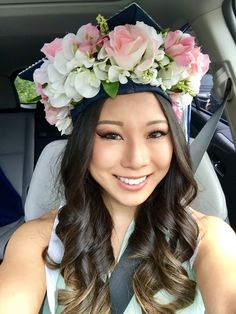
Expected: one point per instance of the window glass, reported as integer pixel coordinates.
(206, 98)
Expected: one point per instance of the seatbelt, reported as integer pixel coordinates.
(200, 144)
(120, 285)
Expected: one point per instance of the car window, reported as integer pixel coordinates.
(26, 92)
(206, 98)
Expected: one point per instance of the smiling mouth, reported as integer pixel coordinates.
(132, 181)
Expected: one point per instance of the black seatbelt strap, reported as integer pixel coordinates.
(120, 285)
(200, 144)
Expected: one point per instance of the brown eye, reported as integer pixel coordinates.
(110, 136)
(157, 134)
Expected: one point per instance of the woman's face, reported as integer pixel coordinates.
(132, 149)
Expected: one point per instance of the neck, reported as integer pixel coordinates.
(122, 220)
(121, 215)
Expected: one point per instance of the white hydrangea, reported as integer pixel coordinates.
(101, 70)
(60, 64)
(70, 89)
(172, 75)
(86, 83)
(147, 77)
(116, 73)
(64, 121)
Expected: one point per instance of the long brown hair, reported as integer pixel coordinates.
(165, 233)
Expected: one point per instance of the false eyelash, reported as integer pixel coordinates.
(163, 133)
(105, 135)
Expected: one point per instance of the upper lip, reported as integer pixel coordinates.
(134, 177)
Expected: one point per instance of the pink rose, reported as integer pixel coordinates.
(40, 92)
(180, 101)
(200, 62)
(176, 105)
(179, 46)
(51, 114)
(51, 49)
(132, 45)
(40, 78)
(88, 38)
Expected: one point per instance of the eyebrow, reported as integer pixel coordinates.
(121, 123)
(157, 122)
(111, 122)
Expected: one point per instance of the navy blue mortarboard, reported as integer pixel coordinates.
(27, 74)
(129, 15)
(83, 84)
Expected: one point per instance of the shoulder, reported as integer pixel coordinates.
(29, 240)
(22, 273)
(35, 233)
(215, 233)
(215, 264)
(216, 237)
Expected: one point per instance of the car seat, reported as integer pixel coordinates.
(16, 149)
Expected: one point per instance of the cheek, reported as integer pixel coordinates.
(164, 156)
(102, 156)
(169, 150)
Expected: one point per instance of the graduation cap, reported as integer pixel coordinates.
(129, 15)
(155, 76)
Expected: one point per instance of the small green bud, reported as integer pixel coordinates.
(102, 23)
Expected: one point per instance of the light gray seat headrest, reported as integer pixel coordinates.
(210, 199)
(45, 192)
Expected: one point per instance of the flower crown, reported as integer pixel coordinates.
(79, 65)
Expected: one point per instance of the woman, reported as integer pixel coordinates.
(128, 182)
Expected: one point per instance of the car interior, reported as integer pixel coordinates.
(30, 148)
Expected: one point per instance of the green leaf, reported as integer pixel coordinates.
(35, 99)
(111, 88)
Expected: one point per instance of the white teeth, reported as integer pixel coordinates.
(132, 181)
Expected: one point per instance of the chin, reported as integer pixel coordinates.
(132, 203)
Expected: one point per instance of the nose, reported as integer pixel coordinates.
(135, 155)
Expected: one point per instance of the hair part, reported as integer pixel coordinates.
(165, 234)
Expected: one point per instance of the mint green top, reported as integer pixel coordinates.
(55, 282)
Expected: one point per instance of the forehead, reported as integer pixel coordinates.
(133, 106)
